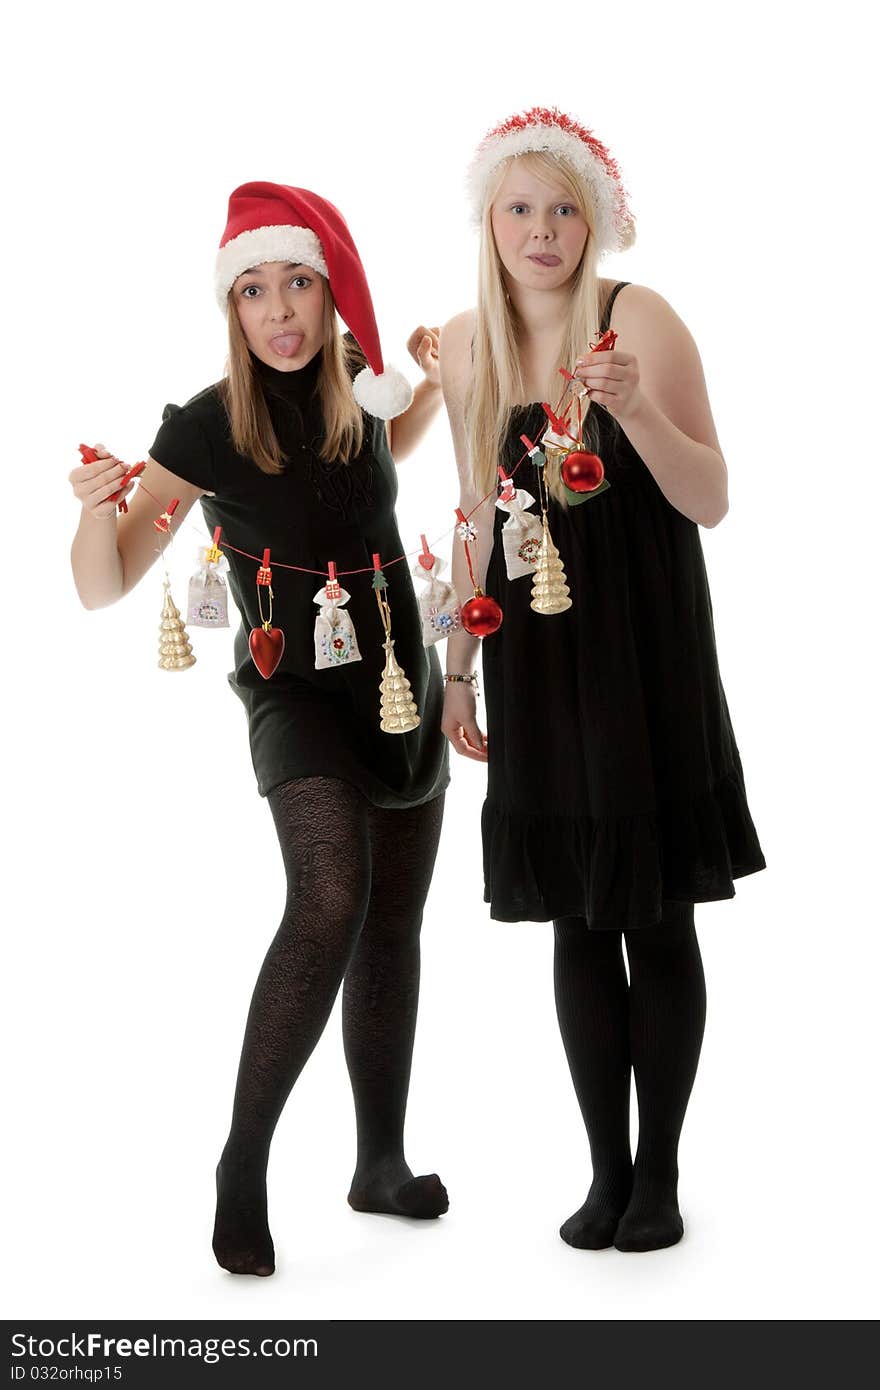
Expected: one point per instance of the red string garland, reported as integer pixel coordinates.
(605, 342)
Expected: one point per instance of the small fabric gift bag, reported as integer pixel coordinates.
(208, 597)
(521, 533)
(438, 603)
(335, 640)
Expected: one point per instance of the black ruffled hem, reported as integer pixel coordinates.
(617, 872)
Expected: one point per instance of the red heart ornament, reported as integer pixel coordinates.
(267, 649)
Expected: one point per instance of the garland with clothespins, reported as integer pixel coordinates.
(335, 640)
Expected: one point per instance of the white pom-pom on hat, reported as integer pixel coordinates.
(384, 396)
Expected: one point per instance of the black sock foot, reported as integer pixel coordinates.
(391, 1190)
(592, 1226)
(652, 1221)
(242, 1241)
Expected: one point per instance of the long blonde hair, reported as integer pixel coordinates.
(497, 382)
(249, 420)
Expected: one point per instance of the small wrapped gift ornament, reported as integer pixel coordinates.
(521, 533)
(208, 597)
(439, 607)
(335, 640)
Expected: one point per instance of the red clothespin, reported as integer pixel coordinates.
(508, 489)
(534, 449)
(90, 455)
(332, 588)
(264, 574)
(605, 342)
(379, 580)
(163, 522)
(466, 530)
(214, 554)
(133, 472)
(426, 559)
(558, 422)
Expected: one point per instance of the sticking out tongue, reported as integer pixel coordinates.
(287, 344)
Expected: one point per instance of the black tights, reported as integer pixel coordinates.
(651, 1025)
(357, 879)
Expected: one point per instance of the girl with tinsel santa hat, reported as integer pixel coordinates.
(615, 797)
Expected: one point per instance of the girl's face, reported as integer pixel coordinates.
(281, 312)
(539, 230)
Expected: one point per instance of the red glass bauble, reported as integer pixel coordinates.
(481, 615)
(582, 472)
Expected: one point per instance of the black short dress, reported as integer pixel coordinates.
(614, 779)
(305, 722)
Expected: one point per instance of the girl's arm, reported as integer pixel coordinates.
(459, 722)
(656, 390)
(111, 554)
(407, 430)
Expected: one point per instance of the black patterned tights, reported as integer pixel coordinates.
(357, 879)
(651, 1027)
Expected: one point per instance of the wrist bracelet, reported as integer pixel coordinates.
(471, 679)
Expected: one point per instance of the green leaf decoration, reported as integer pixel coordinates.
(574, 499)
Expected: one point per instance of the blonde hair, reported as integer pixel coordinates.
(249, 421)
(497, 383)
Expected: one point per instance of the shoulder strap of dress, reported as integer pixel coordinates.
(609, 305)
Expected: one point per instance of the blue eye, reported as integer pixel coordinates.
(246, 292)
(518, 207)
(569, 211)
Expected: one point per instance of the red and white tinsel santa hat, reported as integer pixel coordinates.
(550, 131)
(272, 222)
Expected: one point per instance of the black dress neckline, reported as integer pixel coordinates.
(297, 387)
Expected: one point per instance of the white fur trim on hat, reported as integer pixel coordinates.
(614, 230)
(384, 396)
(299, 245)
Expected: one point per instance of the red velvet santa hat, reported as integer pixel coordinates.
(550, 130)
(272, 222)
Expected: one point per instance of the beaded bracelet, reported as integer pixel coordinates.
(470, 679)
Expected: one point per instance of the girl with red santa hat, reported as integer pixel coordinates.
(292, 452)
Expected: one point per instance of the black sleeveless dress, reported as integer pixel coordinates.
(614, 779)
(305, 722)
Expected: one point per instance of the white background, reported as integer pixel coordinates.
(145, 880)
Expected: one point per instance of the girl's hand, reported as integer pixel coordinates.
(423, 345)
(612, 380)
(459, 722)
(94, 483)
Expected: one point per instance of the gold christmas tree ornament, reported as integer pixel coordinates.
(175, 649)
(398, 711)
(397, 708)
(550, 592)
